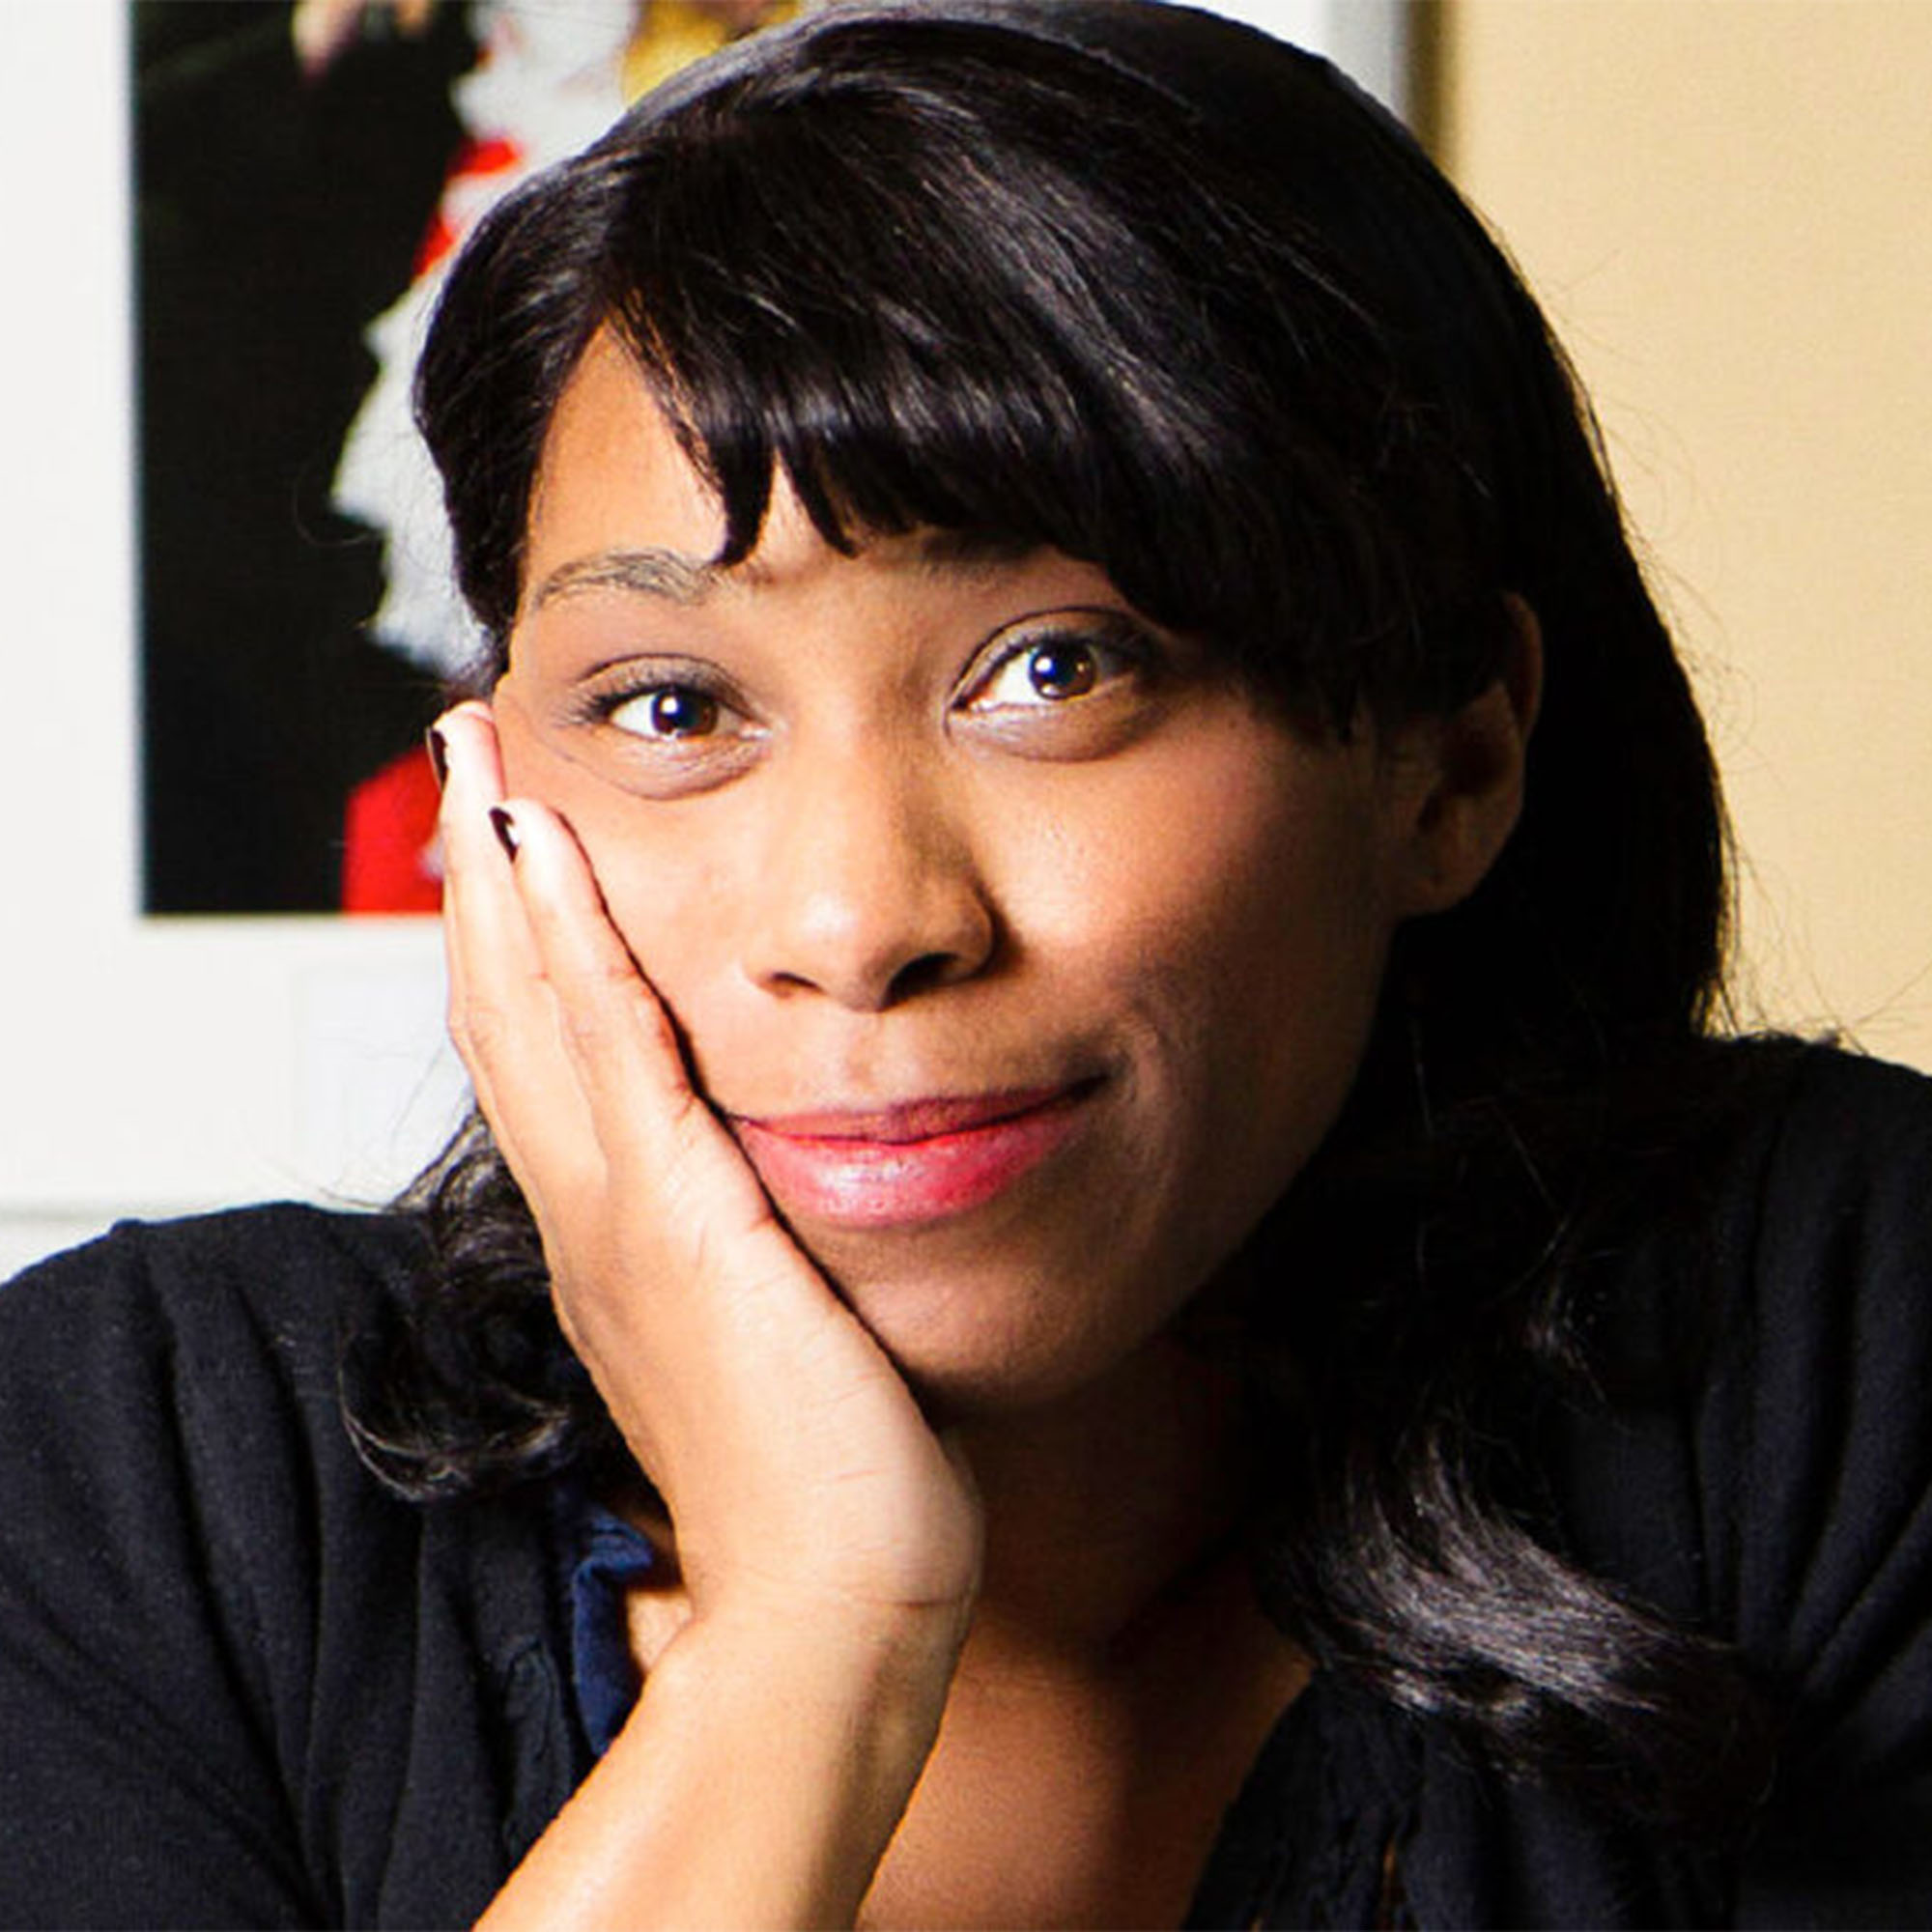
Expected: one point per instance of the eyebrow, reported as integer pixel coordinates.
(649, 570)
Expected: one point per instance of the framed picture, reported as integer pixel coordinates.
(212, 746)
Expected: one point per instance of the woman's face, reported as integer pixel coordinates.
(1025, 955)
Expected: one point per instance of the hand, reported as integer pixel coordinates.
(800, 1478)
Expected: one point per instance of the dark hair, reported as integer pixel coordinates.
(1153, 290)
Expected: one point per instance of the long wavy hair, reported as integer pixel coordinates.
(1161, 293)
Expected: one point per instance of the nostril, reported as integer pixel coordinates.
(923, 974)
(865, 920)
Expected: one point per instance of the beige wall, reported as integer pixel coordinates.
(1727, 206)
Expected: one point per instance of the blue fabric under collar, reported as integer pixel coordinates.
(611, 1556)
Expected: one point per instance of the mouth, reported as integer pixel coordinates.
(918, 1161)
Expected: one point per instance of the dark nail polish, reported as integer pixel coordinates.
(438, 756)
(506, 829)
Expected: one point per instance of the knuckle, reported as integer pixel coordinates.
(684, 1176)
(676, 1183)
(587, 1032)
(480, 1030)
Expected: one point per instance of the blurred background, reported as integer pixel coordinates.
(224, 221)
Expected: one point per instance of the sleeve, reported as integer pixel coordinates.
(1816, 1442)
(159, 1573)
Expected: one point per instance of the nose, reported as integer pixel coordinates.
(869, 892)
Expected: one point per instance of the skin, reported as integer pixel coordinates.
(950, 1629)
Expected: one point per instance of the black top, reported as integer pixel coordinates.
(241, 1685)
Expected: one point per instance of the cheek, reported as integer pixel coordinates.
(659, 886)
(1241, 889)
(1236, 927)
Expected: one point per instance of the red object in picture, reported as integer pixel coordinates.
(391, 860)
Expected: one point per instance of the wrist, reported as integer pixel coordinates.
(863, 1662)
(817, 1727)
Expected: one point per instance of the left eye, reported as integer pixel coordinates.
(1049, 670)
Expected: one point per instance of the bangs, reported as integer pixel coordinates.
(1028, 296)
(913, 337)
(918, 311)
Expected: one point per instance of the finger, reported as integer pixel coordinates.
(484, 931)
(501, 1011)
(480, 902)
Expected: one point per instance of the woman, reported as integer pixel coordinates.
(1105, 1275)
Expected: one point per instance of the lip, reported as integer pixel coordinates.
(915, 1162)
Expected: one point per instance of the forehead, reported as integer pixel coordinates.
(618, 504)
(614, 471)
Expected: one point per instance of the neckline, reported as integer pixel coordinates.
(1314, 1833)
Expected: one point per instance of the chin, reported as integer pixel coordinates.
(999, 1339)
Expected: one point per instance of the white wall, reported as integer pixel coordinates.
(145, 1064)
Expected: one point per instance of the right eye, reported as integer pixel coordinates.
(666, 711)
(665, 727)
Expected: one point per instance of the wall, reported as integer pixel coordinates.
(1727, 206)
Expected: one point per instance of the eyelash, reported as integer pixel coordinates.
(655, 698)
(639, 687)
(1110, 646)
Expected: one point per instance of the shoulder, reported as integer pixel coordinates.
(1773, 1484)
(289, 1689)
(1776, 1335)
(1814, 1423)
(1791, 1188)
(201, 1303)
(279, 1255)
(169, 1400)
(1815, 1439)
(1851, 1135)
(1814, 1270)
(1815, 1244)
(221, 1334)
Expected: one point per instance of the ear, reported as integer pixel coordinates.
(1457, 779)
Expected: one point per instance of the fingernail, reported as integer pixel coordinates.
(506, 829)
(438, 756)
